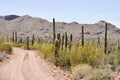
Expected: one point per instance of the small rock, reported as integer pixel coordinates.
(1, 58)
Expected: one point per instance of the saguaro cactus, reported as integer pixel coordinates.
(27, 42)
(59, 39)
(15, 36)
(20, 40)
(38, 40)
(105, 47)
(98, 43)
(53, 30)
(7, 38)
(33, 39)
(70, 44)
(66, 40)
(56, 51)
(62, 41)
(82, 35)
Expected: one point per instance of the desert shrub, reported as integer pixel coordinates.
(116, 60)
(111, 48)
(81, 70)
(24, 46)
(89, 54)
(86, 72)
(15, 44)
(113, 59)
(101, 74)
(6, 47)
(117, 56)
(63, 59)
(35, 46)
(118, 68)
(47, 50)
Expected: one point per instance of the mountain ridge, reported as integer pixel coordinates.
(29, 25)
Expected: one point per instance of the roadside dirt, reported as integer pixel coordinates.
(27, 65)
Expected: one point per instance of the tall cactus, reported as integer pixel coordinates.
(33, 39)
(53, 30)
(98, 43)
(59, 39)
(41, 40)
(20, 40)
(70, 44)
(27, 42)
(7, 38)
(15, 36)
(105, 46)
(62, 41)
(66, 39)
(82, 35)
(56, 51)
(38, 40)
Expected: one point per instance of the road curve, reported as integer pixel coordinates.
(25, 65)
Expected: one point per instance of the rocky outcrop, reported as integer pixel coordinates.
(11, 17)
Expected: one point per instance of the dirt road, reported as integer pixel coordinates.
(25, 65)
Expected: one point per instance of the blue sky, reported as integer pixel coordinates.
(82, 11)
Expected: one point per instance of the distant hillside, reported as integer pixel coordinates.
(27, 25)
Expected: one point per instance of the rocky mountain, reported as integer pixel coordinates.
(27, 25)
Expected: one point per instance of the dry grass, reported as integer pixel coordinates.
(81, 71)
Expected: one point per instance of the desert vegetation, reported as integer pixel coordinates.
(5, 47)
(88, 59)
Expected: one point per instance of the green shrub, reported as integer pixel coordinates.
(24, 46)
(117, 56)
(63, 59)
(89, 54)
(113, 59)
(6, 47)
(15, 44)
(47, 51)
(35, 46)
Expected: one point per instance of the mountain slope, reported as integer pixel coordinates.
(27, 25)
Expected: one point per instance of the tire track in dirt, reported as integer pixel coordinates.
(24, 66)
